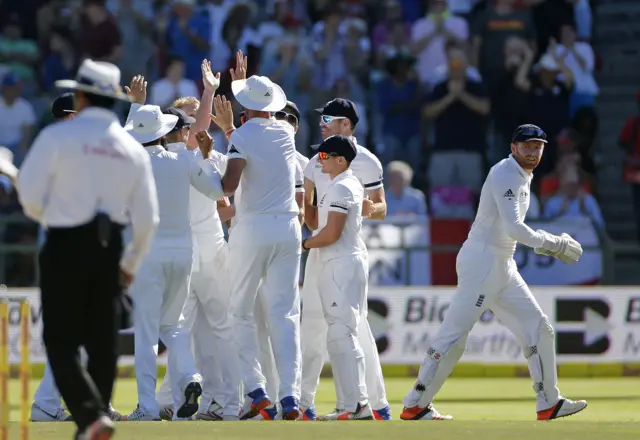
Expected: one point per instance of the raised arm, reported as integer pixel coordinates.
(203, 119)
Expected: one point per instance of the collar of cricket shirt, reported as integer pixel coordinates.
(154, 149)
(343, 175)
(522, 172)
(174, 147)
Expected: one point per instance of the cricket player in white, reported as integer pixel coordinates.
(265, 242)
(338, 116)
(161, 287)
(488, 278)
(343, 273)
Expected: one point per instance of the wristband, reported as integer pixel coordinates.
(303, 244)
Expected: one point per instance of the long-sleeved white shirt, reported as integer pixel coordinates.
(504, 202)
(203, 211)
(86, 165)
(175, 175)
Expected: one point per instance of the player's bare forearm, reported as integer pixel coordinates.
(330, 233)
(203, 120)
(300, 202)
(226, 210)
(311, 217)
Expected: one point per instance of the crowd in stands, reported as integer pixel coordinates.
(440, 84)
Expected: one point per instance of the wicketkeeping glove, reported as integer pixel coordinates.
(564, 248)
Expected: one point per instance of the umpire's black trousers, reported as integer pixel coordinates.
(80, 288)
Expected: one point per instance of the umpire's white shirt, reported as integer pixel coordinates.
(174, 174)
(78, 167)
(504, 201)
(344, 195)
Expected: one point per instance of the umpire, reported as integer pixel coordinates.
(84, 179)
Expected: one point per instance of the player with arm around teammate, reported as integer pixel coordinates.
(488, 278)
(339, 116)
(343, 273)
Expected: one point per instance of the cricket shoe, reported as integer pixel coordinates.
(192, 393)
(40, 415)
(362, 412)
(290, 408)
(382, 414)
(139, 416)
(114, 415)
(564, 408)
(101, 429)
(213, 414)
(271, 412)
(308, 414)
(426, 413)
(258, 400)
(166, 412)
(331, 416)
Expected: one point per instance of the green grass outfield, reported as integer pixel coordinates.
(491, 407)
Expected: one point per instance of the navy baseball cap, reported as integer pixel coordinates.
(10, 79)
(339, 145)
(63, 106)
(341, 107)
(529, 132)
(183, 119)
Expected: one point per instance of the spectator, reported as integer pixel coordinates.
(173, 86)
(441, 72)
(17, 54)
(629, 140)
(327, 41)
(459, 108)
(550, 184)
(391, 29)
(533, 213)
(60, 60)
(188, 36)
(99, 37)
(578, 56)
(282, 20)
(583, 18)
(584, 126)
(548, 17)
(399, 100)
(402, 198)
(349, 88)
(573, 201)
(508, 106)
(549, 101)
(491, 30)
(357, 47)
(52, 15)
(134, 19)
(17, 118)
(217, 11)
(430, 35)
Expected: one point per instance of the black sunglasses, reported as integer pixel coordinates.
(291, 119)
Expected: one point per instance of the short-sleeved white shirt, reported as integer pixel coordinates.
(13, 118)
(344, 195)
(365, 167)
(268, 181)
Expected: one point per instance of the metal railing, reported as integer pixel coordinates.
(610, 249)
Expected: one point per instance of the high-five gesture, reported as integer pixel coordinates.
(223, 117)
(211, 81)
(240, 71)
(205, 143)
(137, 90)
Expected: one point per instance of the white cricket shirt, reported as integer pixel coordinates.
(302, 163)
(268, 181)
(504, 202)
(87, 164)
(175, 175)
(344, 195)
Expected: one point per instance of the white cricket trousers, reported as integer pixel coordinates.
(205, 326)
(266, 357)
(489, 279)
(266, 249)
(159, 291)
(313, 334)
(342, 283)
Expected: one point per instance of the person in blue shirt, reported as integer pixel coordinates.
(188, 36)
(402, 199)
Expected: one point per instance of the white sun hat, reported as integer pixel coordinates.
(6, 163)
(97, 77)
(259, 93)
(548, 63)
(149, 123)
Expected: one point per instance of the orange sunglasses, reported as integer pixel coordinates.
(325, 156)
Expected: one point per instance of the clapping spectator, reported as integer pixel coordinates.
(399, 100)
(573, 201)
(357, 47)
(402, 198)
(578, 56)
(17, 118)
(430, 35)
(60, 60)
(188, 36)
(391, 30)
(491, 30)
(459, 109)
(549, 101)
(99, 36)
(173, 86)
(550, 184)
(328, 49)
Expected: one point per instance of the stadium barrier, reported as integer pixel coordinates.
(597, 332)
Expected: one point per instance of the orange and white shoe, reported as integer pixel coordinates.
(564, 408)
(362, 412)
(420, 413)
(101, 429)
